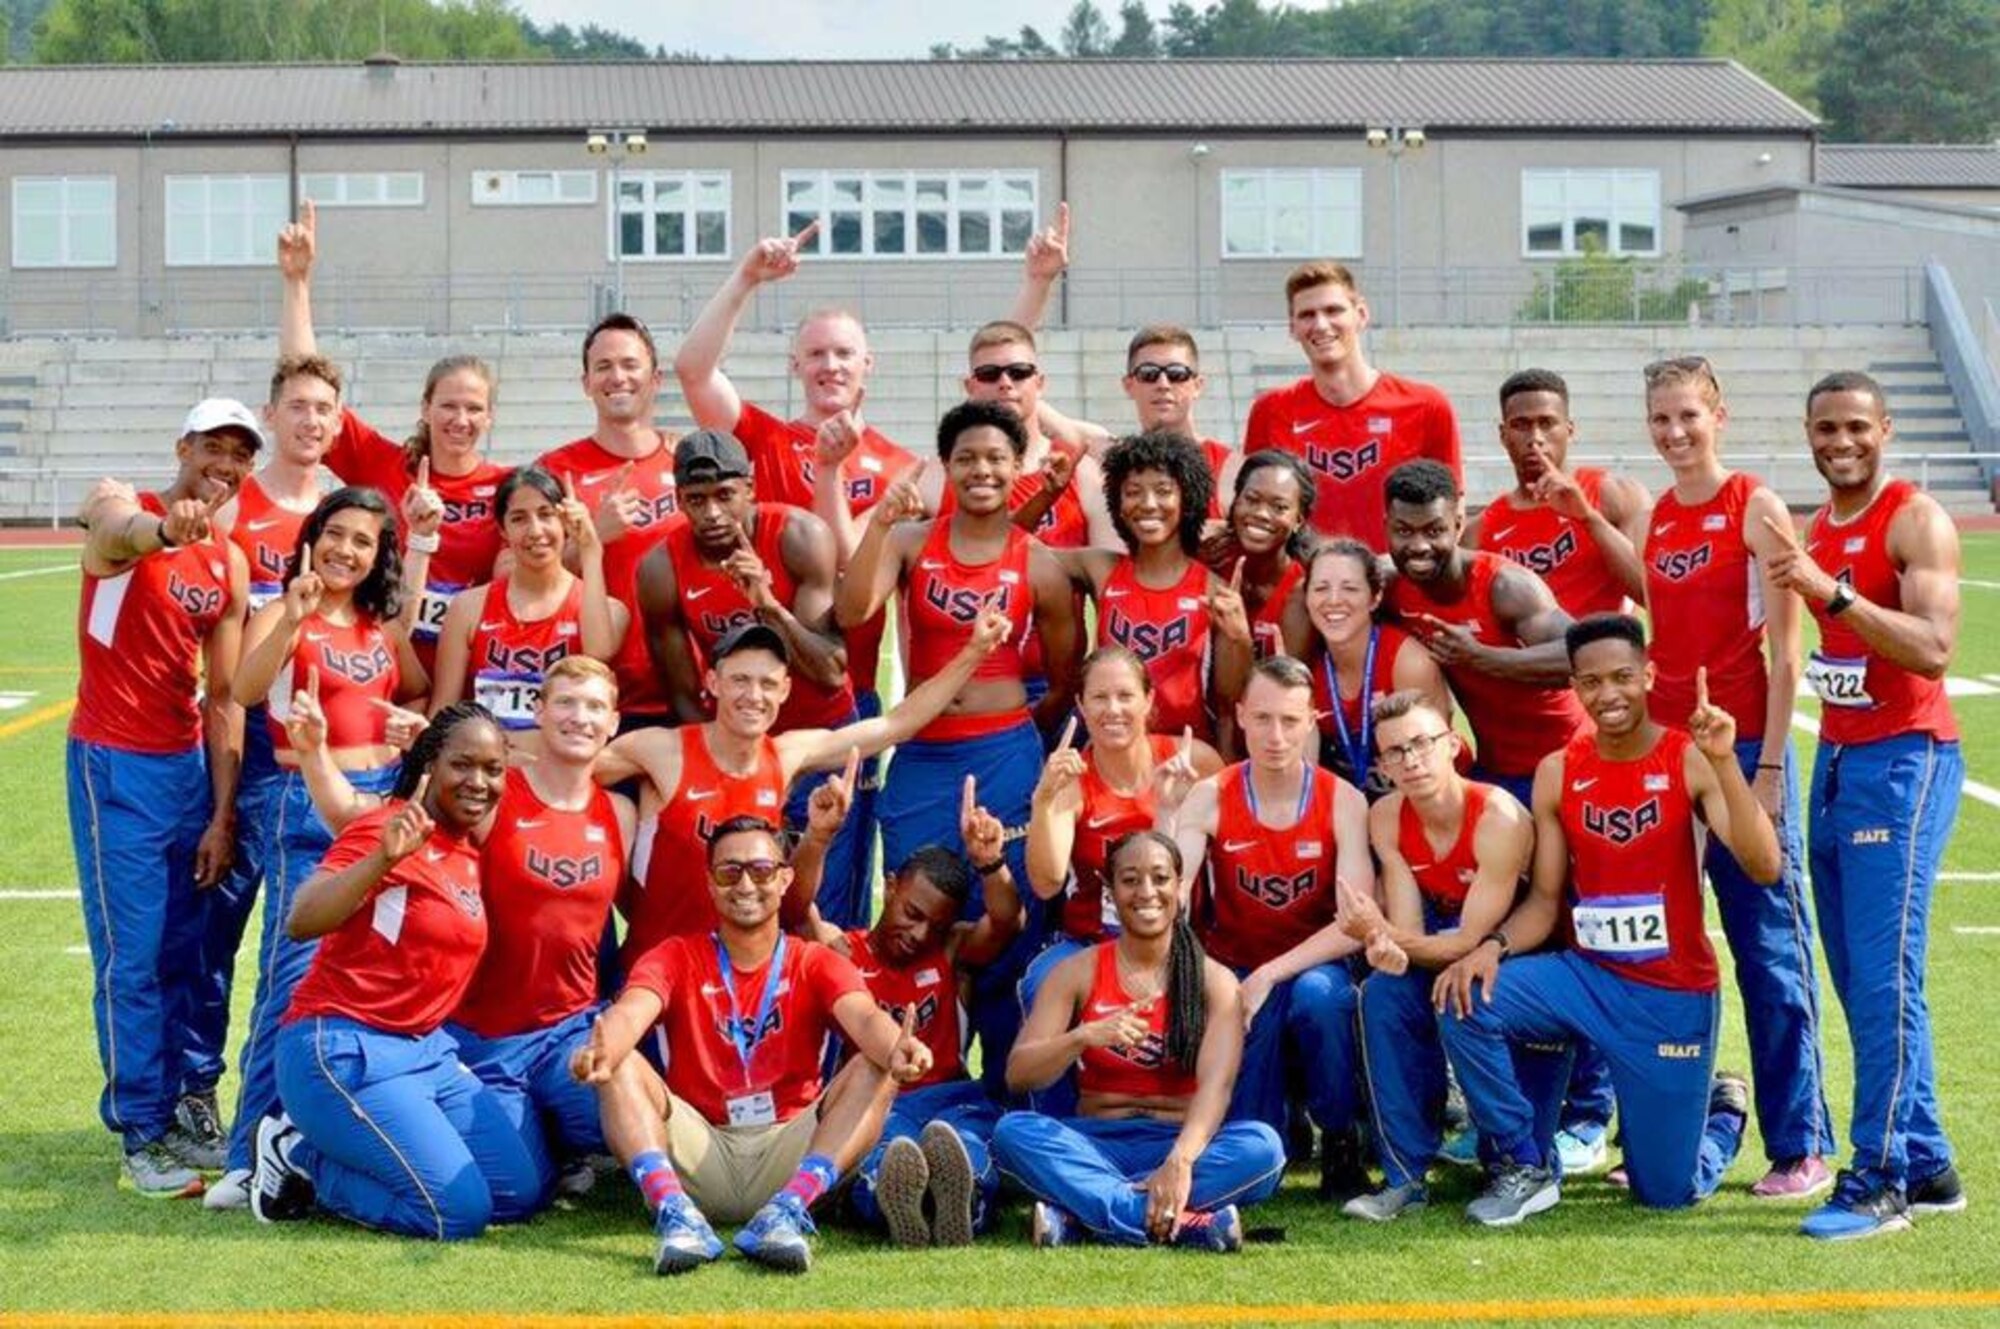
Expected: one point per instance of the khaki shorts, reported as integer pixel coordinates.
(730, 1171)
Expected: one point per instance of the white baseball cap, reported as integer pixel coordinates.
(215, 413)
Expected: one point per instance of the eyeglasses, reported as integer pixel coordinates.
(1415, 750)
(1020, 371)
(1148, 372)
(1678, 367)
(730, 871)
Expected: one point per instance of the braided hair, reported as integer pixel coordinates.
(423, 753)
(1187, 993)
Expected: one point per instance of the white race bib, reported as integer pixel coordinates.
(1839, 681)
(263, 592)
(1622, 927)
(431, 607)
(753, 1110)
(511, 697)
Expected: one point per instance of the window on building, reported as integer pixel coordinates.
(913, 214)
(1291, 214)
(68, 221)
(673, 214)
(219, 220)
(533, 189)
(364, 189)
(1590, 211)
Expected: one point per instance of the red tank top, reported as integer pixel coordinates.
(1105, 817)
(1267, 625)
(712, 606)
(356, 665)
(929, 983)
(139, 639)
(1269, 888)
(1343, 747)
(1445, 879)
(1142, 1070)
(595, 473)
(1864, 697)
(1168, 630)
(268, 534)
(945, 597)
(1635, 873)
(402, 960)
(1217, 455)
(670, 865)
(1515, 724)
(1559, 550)
(1706, 602)
(548, 877)
(509, 654)
(468, 538)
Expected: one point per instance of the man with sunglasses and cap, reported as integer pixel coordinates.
(154, 747)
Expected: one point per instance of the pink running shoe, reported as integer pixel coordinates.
(1795, 1179)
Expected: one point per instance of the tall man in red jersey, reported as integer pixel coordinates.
(1581, 530)
(1351, 422)
(1615, 821)
(1879, 571)
(746, 1011)
(1490, 623)
(154, 746)
(623, 470)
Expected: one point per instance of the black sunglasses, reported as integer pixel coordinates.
(1148, 372)
(729, 871)
(1020, 371)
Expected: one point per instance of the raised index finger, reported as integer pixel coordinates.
(1068, 735)
(968, 798)
(312, 682)
(569, 485)
(305, 558)
(423, 788)
(624, 476)
(1062, 222)
(308, 214)
(424, 471)
(806, 234)
(1187, 742)
(1701, 687)
(1236, 576)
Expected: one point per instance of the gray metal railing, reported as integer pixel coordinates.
(1966, 367)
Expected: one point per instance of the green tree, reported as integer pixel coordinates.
(1922, 71)
(1084, 32)
(1784, 41)
(1137, 38)
(206, 31)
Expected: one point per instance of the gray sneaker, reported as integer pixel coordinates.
(1516, 1191)
(196, 1135)
(1389, 1203)
(157, 1173)
(900, 1184)
(954, 1188)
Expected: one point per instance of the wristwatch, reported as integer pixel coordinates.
(1841, 600)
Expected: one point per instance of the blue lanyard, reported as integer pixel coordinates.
(745, 1039)
(1358, 754)
(1305, 796)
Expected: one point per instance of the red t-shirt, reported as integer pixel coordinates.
(268, 535)
(1142, 1070)
(357, 667)
(1560, 551)
(1269, 888)
(1351, 449)
(1167, 628)
(402, 961)
(929, 984)
(705, 1068)
(550, 876)
(139, 641)
(1706, 600)
(509, 654)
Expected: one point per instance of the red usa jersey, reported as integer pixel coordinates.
(1217, 455)
(784, 456)
(549, 877)
(1354, 707)
(1269, 888)
(1141, 1071)
(1515, 724)
(1706, 601)
(268, 534)
(712, 606)
(1351, 449)
(1105, 817)
(1558, 550)
(670, 863)
(1167, 628)
(357, 667)
(929, 985)
(704, 1066)
(402, 960)
(1635, 873)
(945, 597)
(1445, 879)
(595, 473)
(1267, 625)
(139, 641)
(1865, 697)
(510, 654)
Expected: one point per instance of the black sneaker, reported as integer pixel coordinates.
(1342, 1173)
(1517, 1191)
(1939, 1193)
(196, 1136)
(280, 1192)
(1729, 1092)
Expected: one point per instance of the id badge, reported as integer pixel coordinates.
(1632, 928)
(1839, 680)
(431, 607)
(753, 1110)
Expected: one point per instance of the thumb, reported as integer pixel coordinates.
(597, 1033)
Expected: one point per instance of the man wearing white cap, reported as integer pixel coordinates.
(154, 745)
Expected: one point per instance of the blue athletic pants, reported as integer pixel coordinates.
(846, 883)
(227, 906)
(528, 1076)
(1305, 1030)
(959, 1104)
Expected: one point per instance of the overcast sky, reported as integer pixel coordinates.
(813, 29)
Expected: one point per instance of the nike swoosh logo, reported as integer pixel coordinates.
(490, 627)
(1663, 528)
(317, 637)
(434, 855)
(869, 973)
(696, 795)
(529, 825)
(1105, 1008)
(1099, 823)
(1307, 427)
(263, 525)
(596, 478)
(1578, 786)
(930, 565)
(1237, 846)
(696, 593)
(1502, 533)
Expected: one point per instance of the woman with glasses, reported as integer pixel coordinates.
(1714, 605)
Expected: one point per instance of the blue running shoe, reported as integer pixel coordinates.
(1859, 1208)
(1583, 1148)
(686, 1239)
(1219, 1230)
(776, 1235)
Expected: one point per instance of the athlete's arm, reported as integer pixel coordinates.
(1052, 816)
(1047, 1044)
(1168, 1188)
(454, 647)
(882, 557)
(619, 1027)
(1089, 482)
(1402, 898)
(1055, 623)
(1764, 516)
(1619, 527)
(870, 1030)
(1525, 607)
(329, 899)
(413, 681)
(1191, 825)
(712, 399)
(652, 753)
(267, 647)
(817, 651)
(222, 726)
(976, 945)
(1502, 844)
(298, 245)
(601, 620)
(659, 601)
(1531, 921)
(1042, 262)
(1352, 865)
(1068, 431)
(1415, 670)
(1923, 634)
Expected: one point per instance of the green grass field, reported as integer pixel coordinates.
(76, 1249)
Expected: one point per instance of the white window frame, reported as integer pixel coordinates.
(66, 216)
(1336, 197)
(502, 189)
(889, 192)
(1618, 215)
(341, 189)
(649, 183)
(259, 229)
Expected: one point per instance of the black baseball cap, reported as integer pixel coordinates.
(708, 456)
(751, 636)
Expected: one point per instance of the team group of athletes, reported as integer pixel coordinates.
(1212, 870)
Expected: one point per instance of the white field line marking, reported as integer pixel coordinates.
(1977, 932)
(1984, 793)
(41, 571)
(38, 895)
(1982, 585)
(76, 950)
(1968, 876)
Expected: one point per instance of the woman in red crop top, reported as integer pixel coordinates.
(1153, 1028)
